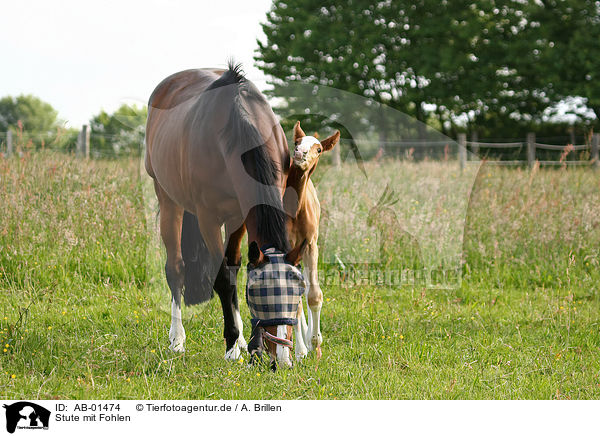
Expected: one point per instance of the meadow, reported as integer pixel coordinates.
(84, 306)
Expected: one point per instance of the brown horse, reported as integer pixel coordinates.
(218, 157)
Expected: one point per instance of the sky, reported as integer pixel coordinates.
(83, 57)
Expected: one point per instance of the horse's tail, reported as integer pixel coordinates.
(198, 281)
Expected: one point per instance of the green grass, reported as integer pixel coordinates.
(84, 306)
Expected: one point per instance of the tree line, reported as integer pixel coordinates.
(497, 68)
(35, 125)
(491, 68)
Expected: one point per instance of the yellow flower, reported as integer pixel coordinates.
(153, 351)
(13, 376)
(401, 336)
(5, 350)
(128, 380)
(49, 327)
(258, 374)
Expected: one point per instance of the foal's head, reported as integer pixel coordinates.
(308, 149)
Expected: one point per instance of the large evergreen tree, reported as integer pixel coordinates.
(494, 62)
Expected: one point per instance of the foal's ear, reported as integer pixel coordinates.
(295, 254)
(330, 142)
(298, 132)
(256, 258)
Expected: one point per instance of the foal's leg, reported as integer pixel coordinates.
(314, 338)
(300, 333)
(171, 217)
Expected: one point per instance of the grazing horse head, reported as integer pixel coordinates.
(308, 149)
(273, 292)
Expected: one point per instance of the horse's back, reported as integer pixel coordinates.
(181, 86)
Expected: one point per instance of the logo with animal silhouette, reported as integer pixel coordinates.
(26, 415)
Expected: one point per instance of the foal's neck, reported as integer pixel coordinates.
(298, 180)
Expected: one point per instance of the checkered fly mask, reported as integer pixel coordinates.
(274, 290)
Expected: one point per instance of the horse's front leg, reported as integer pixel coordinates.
(233, 259)
(314, 339)
(226, 288)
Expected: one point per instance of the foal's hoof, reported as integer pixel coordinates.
(300, 350)
(233, 353)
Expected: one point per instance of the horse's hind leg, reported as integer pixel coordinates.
(171, 218)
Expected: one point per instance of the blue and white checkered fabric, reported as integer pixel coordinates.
(274, 290)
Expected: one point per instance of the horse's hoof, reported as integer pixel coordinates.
(233, 353)
(177, 348)
(177, 345)
(242, 343)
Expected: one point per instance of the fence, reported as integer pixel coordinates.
(532, 147)
(82, 149)
(11, 142)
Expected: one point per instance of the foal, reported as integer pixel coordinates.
(304, 211)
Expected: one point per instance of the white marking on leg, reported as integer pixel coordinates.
(309, 327)
(176, 332)
(299, 334)
(233, 353)
(316, 339)
(240, 326)
(283, 353)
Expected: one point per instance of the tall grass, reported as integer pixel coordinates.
(84, 307)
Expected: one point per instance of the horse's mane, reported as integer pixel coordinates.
(241, 132)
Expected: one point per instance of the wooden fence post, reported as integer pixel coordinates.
(83, 142)
(595, 145)
(9, 143)
(474, 144)
(530, 149)
(462, 150)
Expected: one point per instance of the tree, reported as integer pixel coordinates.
(118, 134)
(570, 31)
(35, 115)
(488, 61)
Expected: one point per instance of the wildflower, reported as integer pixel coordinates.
(13, 376)
(49, 327)
(5, 350)
(153, 351)
(401, 336)
(128, 380)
